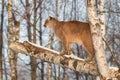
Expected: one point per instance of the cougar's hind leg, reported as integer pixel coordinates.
(88, 45)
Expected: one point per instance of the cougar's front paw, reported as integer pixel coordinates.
(66, 52)
(63, 52)
(69, 52)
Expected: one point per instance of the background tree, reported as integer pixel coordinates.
(1, 40)
(11, 39)
(33, 60)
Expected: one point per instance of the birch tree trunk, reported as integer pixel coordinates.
(102, 19)
(11, 39)
(97, 31)
(49, 71)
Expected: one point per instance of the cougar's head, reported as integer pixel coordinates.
(49, 22)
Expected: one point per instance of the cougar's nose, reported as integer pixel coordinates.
(44, 25)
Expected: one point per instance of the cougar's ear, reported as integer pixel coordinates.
(49, 17)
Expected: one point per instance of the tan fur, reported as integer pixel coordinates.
(72, 31)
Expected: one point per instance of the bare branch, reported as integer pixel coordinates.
(112, 53)
(52, 56)
(67, 61)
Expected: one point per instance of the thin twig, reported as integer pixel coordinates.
(112, 53)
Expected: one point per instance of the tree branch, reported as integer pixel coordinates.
(112, 53)
(52, 56)
(67, 61)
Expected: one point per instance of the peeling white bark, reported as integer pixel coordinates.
(97, 32)
(68, 61)
(52, 56)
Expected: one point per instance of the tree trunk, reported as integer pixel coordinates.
(11, 39)
(1, 40)
(40, 38)
(97, 31)
(102, 19)
(28, 21)
(33, 59)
